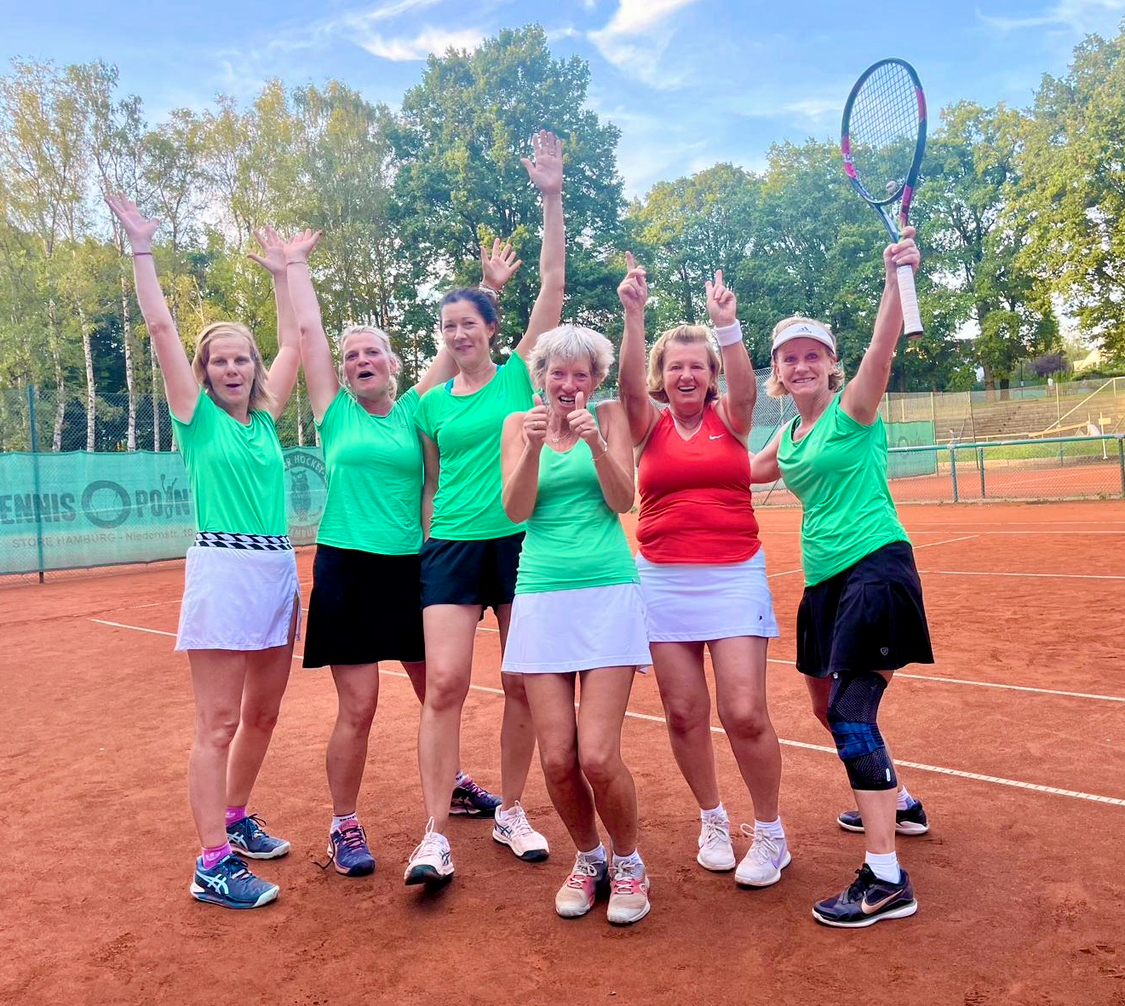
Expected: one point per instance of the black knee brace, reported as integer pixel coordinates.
(853, 708)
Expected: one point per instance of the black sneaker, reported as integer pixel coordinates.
(911, 821)
(867, 900)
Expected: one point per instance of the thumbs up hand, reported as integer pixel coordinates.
(581, 421)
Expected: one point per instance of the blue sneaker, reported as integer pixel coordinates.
(471, 800)
(348, 851)
(230, 884)
(248, 838)
(866, 901)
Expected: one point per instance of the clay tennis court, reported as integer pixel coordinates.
(1013, 739)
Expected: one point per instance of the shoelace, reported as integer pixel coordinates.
(582, 868)
(431, 843)
(515, 820)
(624, 880)
(353, 838)
(715, 832)
(254, 828)
(765, 848)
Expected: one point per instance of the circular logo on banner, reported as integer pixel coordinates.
(306, 489)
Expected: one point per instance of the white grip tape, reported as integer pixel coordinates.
(908, 296)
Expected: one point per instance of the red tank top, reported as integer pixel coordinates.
(695, 495)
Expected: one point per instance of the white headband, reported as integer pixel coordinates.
(804, 330)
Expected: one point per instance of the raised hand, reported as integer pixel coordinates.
(300, 246)
(904, 252)
(499, 266)
(535, 425)
(581, 421)
(273, 259)
(138, 228)
(546, 169)
(722, 305)
(633, 289)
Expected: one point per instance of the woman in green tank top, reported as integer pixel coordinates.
(861, 616)
(241, 599)
(568, 472)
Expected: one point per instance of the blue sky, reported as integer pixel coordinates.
(689, 82)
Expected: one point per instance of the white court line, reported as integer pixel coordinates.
(1041, 576)
(957, 773)
(1013, 688)
(929, 544)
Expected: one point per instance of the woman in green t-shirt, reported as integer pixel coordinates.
(578, 611)
(469, 561)
(861, 616)
(365, 605)
(241, 599)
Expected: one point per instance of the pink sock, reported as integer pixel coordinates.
(215, 855)
(235, 814)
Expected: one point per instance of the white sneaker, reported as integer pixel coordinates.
(578, 895)
(628, 897)
(715, 850)
(431, 863)
(762, 865)
(513, 829)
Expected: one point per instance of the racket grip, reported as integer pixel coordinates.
(908, 296)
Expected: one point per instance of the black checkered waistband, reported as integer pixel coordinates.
(253, 542)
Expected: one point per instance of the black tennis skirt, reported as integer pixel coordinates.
(870, 617)
(364, 608)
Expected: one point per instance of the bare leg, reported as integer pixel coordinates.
(517, 732)
(357, 691)
(687, 709)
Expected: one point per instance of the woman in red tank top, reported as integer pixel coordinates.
(702, 570)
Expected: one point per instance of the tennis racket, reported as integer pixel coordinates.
(882, 138)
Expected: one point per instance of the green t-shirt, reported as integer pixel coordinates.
(236, 472)
(839, 473)
(374, 466)
(466, 429)
(573, 539)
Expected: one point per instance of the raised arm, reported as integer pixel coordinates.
(180, 386)
(281, 376)
(520, 446)
(736, 407)
(546, 173)
(763, 465)
(321, 377)
(632, 388)
(862, 394)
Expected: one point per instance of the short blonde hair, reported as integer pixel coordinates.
(569, 344)
(260, 397)
(774, 386)
(384, 340)
(684, 335)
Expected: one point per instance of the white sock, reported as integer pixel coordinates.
(884, 866)
(716, 814)
(338, 821)
(905, 801)
(633, 859)
(595, 855)
(771, 828)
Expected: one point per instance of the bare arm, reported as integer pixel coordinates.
(282, 374)
(520, 446)
(431, 460)
(321, 376)
(180, 386)
(736, 407)
(631, 384)
(763, 465)
(862, 394)
(546, 172)
(615, 463)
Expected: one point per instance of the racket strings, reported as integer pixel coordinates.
(883, 128)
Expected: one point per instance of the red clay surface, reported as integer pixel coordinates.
(1018, 901)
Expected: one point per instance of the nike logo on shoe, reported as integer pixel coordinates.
(868, 908)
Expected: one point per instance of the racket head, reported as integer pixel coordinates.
(883, 134)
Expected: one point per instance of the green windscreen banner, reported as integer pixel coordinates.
(77, 509)
(913, 434)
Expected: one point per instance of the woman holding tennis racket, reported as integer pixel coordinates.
(469, 561)
(861, 616)
(366, 597)
(703, 573)
(241, 599)
(578, 613)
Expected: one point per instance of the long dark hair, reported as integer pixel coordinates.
(484, 304)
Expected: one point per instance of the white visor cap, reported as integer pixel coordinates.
(803, 330)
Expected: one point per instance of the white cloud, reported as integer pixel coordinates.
(428, 40)
(636, 37)
(1076, 16)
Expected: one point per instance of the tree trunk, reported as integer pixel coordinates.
(155, 400)
(91, 387)
(60, 379)
(1005, 385)
(300, 423)
(130, 365)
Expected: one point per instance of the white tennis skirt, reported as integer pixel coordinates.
(695, 604)
(558, 631)
(237, 599)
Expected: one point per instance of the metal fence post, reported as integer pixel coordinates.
(953, 470)
(980, 464)
(1121, 460)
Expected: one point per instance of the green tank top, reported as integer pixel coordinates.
(374, 466)
(236, 472)
(573, 539)
(839, 473)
